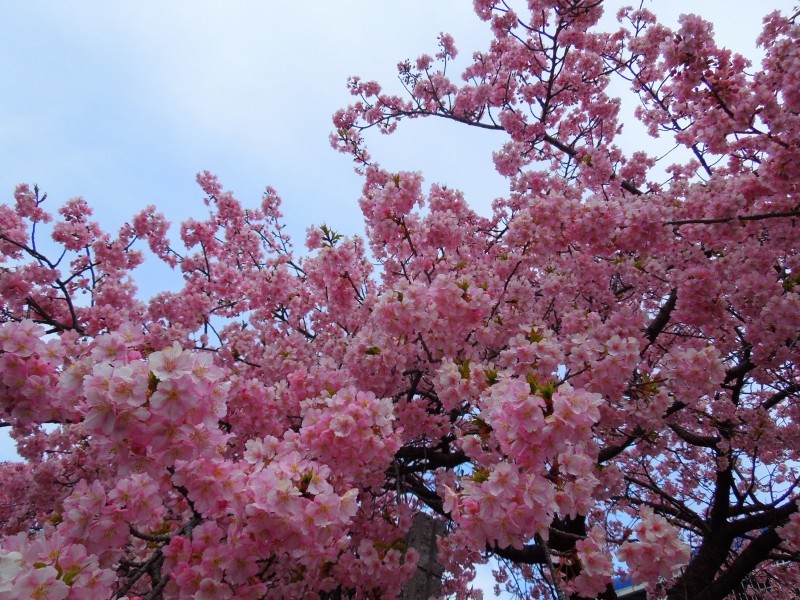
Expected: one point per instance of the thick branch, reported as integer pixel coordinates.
(695, 439)
(762, 519)
(610, 452)
(662, 318)
(756, 551)
(434, 458)
(779, 397)
(742, 218)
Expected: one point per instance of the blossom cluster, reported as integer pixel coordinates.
(657, 550)
(600, 349)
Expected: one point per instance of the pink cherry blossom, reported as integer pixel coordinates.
(39, 584)
(602, 364)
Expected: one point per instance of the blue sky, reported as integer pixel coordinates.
(122, 103)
